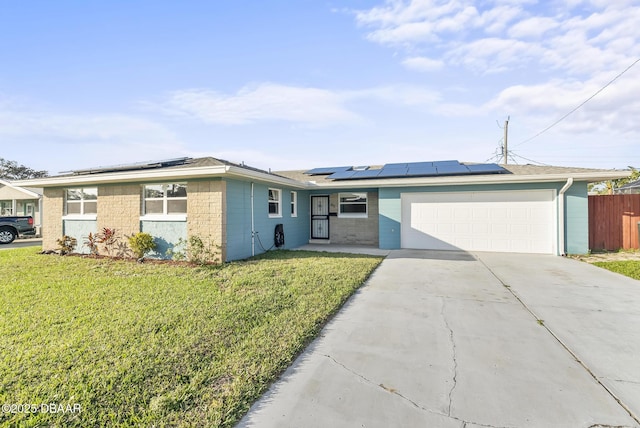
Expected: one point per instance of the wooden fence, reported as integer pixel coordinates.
(613, 222)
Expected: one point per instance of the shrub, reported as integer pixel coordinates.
(195, 250)
(108, 238)
(92, 243)
(113, 247)
(67, 244)
(141, 243)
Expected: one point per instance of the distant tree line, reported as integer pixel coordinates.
(11, 170)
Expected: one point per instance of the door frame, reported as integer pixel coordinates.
(319, 217)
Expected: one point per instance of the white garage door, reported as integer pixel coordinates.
(505, 221)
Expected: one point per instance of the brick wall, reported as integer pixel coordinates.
(354, 231)
(206, 212)
(119, 208)
(53, 209)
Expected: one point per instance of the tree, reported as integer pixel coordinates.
(10, 170)
(607, 187)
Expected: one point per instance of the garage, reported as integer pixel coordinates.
(520, 221)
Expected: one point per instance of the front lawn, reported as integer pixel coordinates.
(117, 343)
(630, 268)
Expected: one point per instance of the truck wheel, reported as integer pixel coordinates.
(7, 235)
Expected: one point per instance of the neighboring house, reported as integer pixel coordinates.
(19, 201)
(629, 188)
(442, 205)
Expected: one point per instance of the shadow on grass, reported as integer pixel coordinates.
(303, 254)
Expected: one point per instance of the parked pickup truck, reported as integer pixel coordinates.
(12, 227)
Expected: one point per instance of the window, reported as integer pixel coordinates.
(6, 208)
(352, 205)
(81, 201)
(165, 199)
(275, 202)
(294, 204)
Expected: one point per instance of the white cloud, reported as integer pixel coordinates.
(614, 110)
(419, 20)
(421, 63)
(82, 139)
(494, 36)
(82, 128)
(492, 54)
(268, 102)
(264, 102)
(533, 27)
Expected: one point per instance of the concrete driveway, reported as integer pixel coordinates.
(445, 339)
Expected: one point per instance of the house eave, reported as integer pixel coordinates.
(32, 195)
(237, 172)
(160, 175)
(471, 180)
(244, 174)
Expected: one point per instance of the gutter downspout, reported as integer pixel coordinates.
(561, 206)
(253, 234)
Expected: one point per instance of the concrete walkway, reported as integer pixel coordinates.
(446, 339)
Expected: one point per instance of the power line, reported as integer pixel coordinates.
(583, 103)
(527, 159)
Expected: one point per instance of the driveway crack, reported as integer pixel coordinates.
(407, 399)
(454, 357)
(384, 387)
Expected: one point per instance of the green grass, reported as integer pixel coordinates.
(159, 345)
(630, 268)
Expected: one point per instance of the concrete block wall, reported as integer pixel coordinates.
(119, 207)
(354, 231)
(53, 210)
(206, 212)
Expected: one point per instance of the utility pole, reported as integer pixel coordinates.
(505, 148)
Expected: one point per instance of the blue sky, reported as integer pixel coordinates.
(301, 84)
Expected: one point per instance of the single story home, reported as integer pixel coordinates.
(629, 188)
(444, 205)
(21, 201)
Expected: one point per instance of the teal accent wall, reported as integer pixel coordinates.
(80, 230)
(577, 219)
(166, 235)
(390, 216)
(238, 194)
(238, 204)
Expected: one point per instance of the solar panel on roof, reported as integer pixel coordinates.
(411, 169)
(341, 175)
(395, 166)
(327, 170)
(452, 169)
(393, 172)
(446, 163)
(422, 171)
(486, 168)
(132, 166)
(419, 164)
(369, 173)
